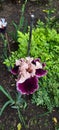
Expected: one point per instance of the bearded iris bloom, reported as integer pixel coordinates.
(3, 25)
(28, 70)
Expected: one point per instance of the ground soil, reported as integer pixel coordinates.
(36, 117)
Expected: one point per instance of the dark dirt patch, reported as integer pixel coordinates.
(33, 115)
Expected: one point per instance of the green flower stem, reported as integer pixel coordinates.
(30, 35)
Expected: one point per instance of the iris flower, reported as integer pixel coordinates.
(28, 70)
(3, 25)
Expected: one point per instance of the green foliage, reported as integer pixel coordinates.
(41, 97)
(20, 52)
(2, 126)
(56, 127)
(45, 45)
(48, 93)
(52, 21)
(18, 103)
(13, 34)
(5, 47)
(22, 23)
(10, 100)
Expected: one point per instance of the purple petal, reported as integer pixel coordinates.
(35, 60)
(2, 30)
(43, 65)
(40, 72)
(29, 86)
(14, 70)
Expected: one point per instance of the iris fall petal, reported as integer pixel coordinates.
(29, 86)
(40, 72)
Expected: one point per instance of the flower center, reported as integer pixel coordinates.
(29, 70)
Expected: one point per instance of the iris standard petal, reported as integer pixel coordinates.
(29, 86)
(36, 60)
(41, 72)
